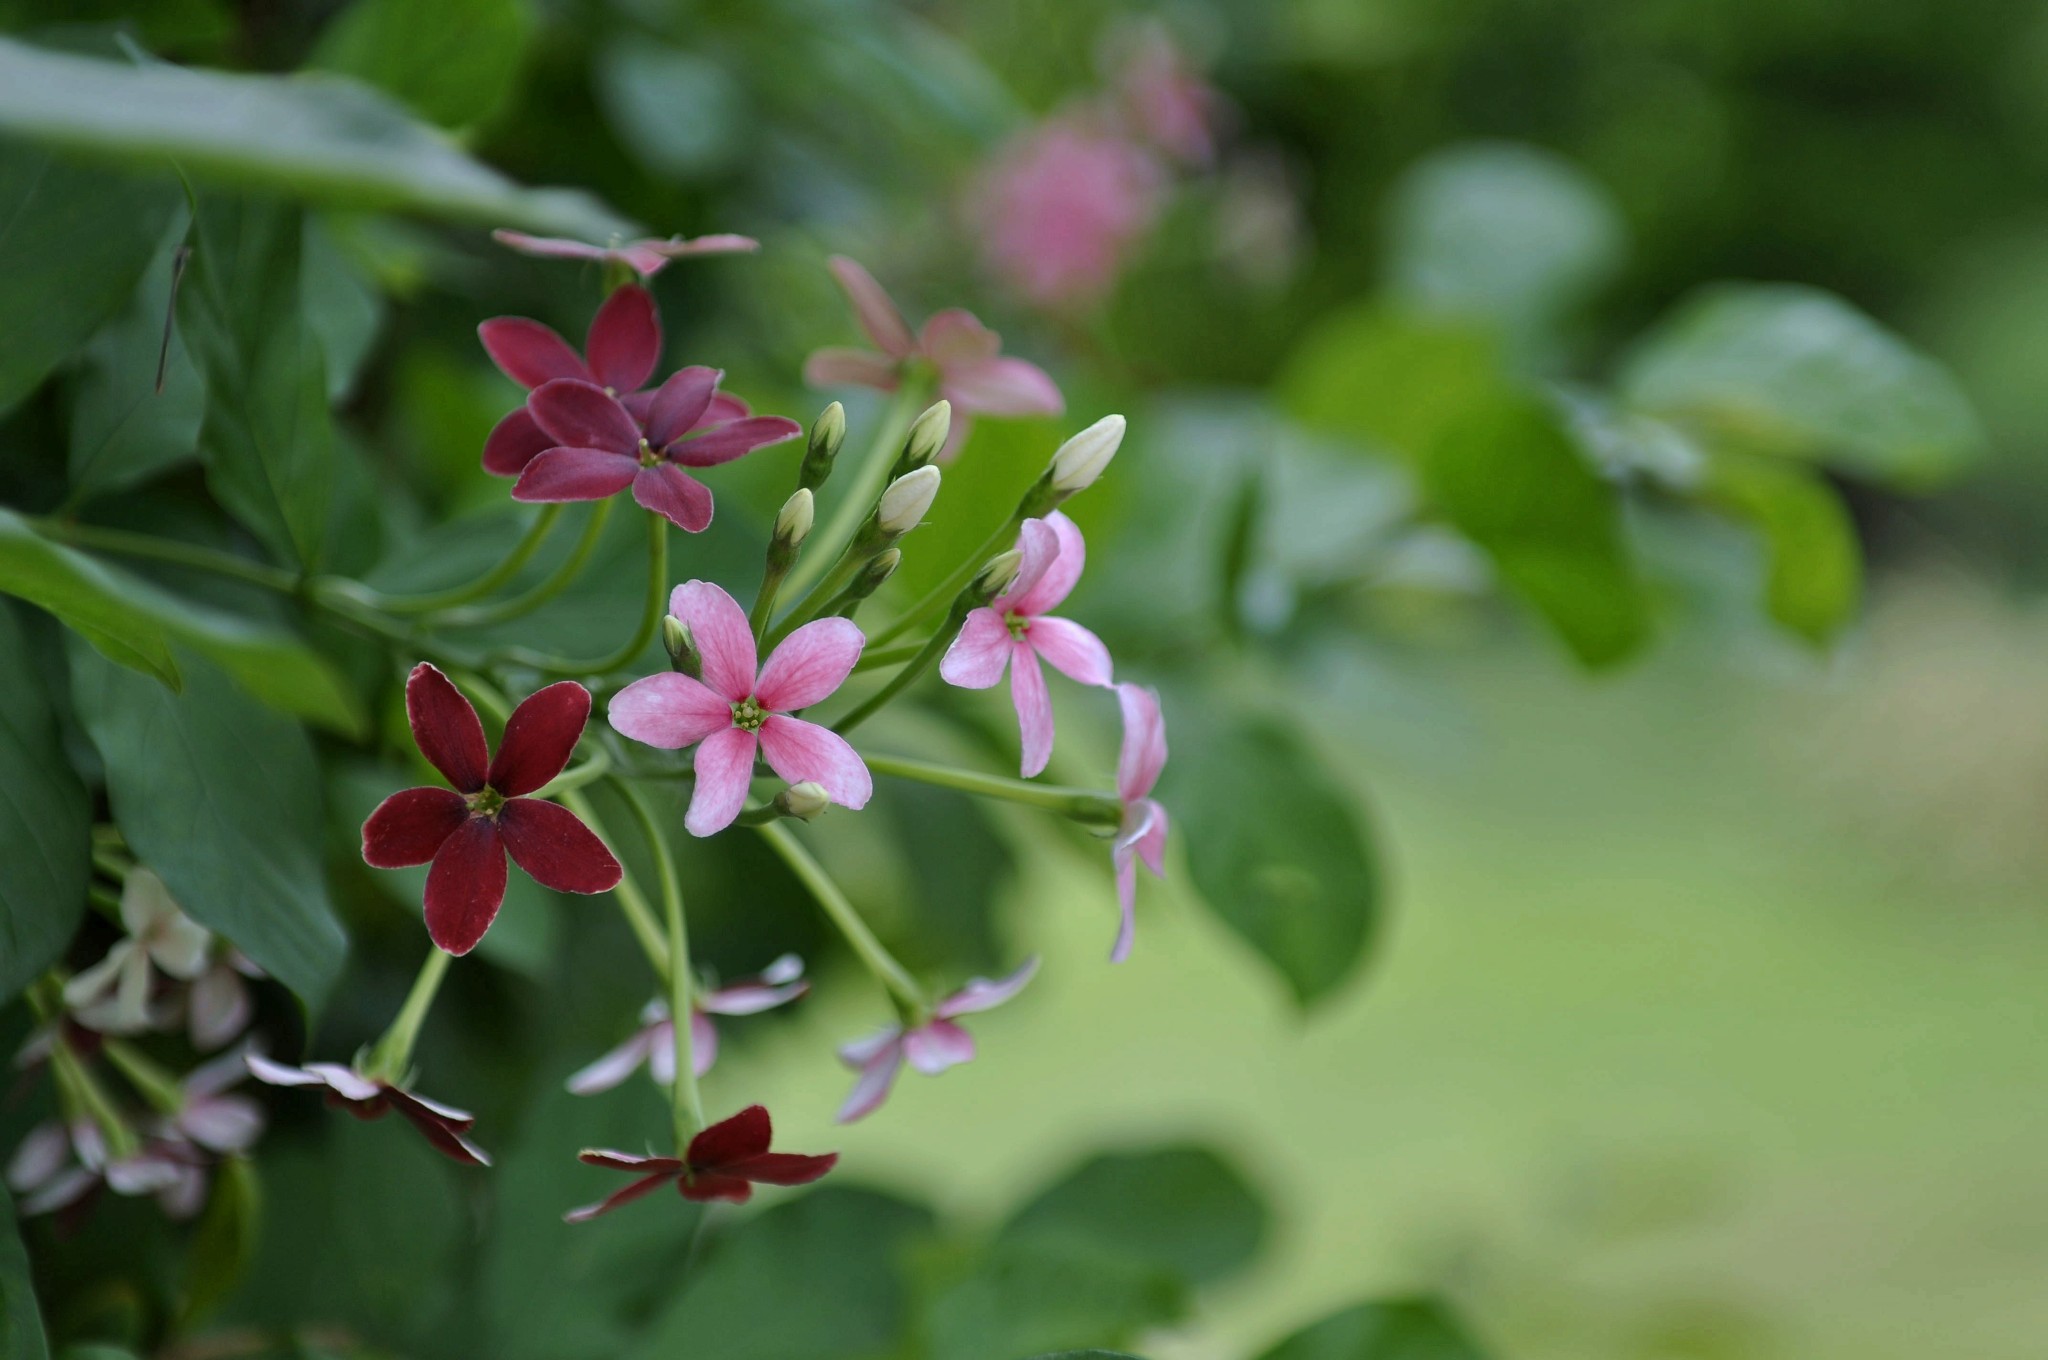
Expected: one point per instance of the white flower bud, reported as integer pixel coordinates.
(1081, 459)
(904, 503)
(996, 576)
(793, 524)
(802, 801)
(681, 647)
(927, 436)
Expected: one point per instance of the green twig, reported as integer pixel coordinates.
(1092, 806)
(878, 959)
(524, 603)
(686, 1105)
(522, 552)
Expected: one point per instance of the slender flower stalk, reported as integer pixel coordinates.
(993, 578)
(901, 508)
(650, 618)
(542, 591)
(910, 997)
(1091, 807)
(686, 1107)
(392, 1055)
(633, 904)
(837, 534)
(522, 553)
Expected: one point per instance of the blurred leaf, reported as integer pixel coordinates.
(73, 241)
(1815, 569)
(1024, 1296)
(1407, 1329)
(342, 308)
(1277, 849)
(21, 1322)
(681, 113)
(1798, 373)
(960, 868)
(222, 799)
(323, 138)
(87, 597)
(225, 1239)
(1084, 1355)
(45, 822)
(453, 61)
(1389, 378)
(399, 1223)
(1183, 1210)
(266, 438)
(1513, 234)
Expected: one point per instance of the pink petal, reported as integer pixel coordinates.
(675, 495)
(723, 635)
(540, 737)
(1001, 387)
(703, 1047)
(725, 406)
(642, 258)
(1034, 710)
(554, 846)
(836, 366)
(219, 1007)
(548, 247)
(871, 306)
(669, 711)
(1127, 904)
(714, 243)
(42, 1154)
(936, 1045)
(977, 657)
(466, 886)
(625, 339)
(679, 403)
(1143, 754)
(877, 1075)
(612, 1201)
(746, 1134)
(753, 995)
(810, 664)
(661, 1054)
(1056, 582)
(574, 474)
(611, 1069)
(980, 994)
(446, 728)
(614, 1160)
(67, 1188)
(725, 770)
(218, 1074)
(222, 1123)
(409, 826)
(582, 415)
(861, 1052)
(1040, 545)
(1073, 651)
(1151, 839)
(513, 443)
(345, 1082)
(734, 439)
(529, 353)
(799, 750)
(956, 336)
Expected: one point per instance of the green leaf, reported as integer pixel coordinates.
(222, 799)
(1084, 1355)
(225, 1239)
(1815, 564)
(1024, 1297)
(322, 138)
(1404, 1329)
(453, 61)
(1277, 849)
(73, 241)
(1798, 373)
(267, 439)
(1388, 377)
(1183, 1210)
(21, 1322)
(45, 822)
(89, 598)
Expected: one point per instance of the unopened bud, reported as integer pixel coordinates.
(927, 436)
(828, 432)
(682, 650)
(1081, 459)
(802, 801)
(793, 523)
(995, 577)
(904, 503)
(880, 568)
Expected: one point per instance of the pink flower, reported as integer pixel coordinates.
(1142, 836)
(931, 1047)
(219, 1006)
(973, 373)
(1014, 631)
(725, 1161)
(209, 1116)
(58, 1167)
(113, 996)
(446, 1127)
(1165, 100)
(468, 830)
(597, 448)
(733, 712)
(646, 257)
(654, 1043)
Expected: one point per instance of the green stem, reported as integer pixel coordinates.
(918, 664)
(156, 1085)
(878, 959)
(126, 544)
(391, 1057)
(632, 902)
(576, 776)
(114, 866)
(843, 571)
(874, 658)
(955, 583)
(76, 1084)
(650, 617)
(1083, 805)
(518, 606)
(522, 552)
(686, 1105)
(829, 543)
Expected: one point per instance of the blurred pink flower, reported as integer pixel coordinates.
(972, 371)
(1164, 99)
(59, 1166)
(654, 1043)
(932, 1047)
(646, 256)
(1142, 836)
(725, 1162)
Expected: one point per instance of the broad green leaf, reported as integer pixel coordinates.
(1815, 565)
(1024, 1297)
(225, 1239)
(21, 1321)
(1276, 848)
(73, 241)
(1387, 377)
(45, 822)
(89, 598)
(1183, 1210)
(343, 309)
(1799, 373)
(322, 138)
(267, 438)
(453, 61)
(222, 799)
(1405, 1329)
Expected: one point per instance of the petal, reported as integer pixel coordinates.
(222, 1123)
(67, 1188)
(980, 994)
(219, 1007)
(612, 1201)
(42, 1154)
(625, 339)
(723, 635)
(751, 996)
(725, 406)
(552, 844)
(90, 984)
(715, 243)
(179, 946)
(1001, 387)
(446, 728)
(810, 664)
(1039, 544)
(642, 258)
(799, 750)
(572, 474)
(529, 353)
(540, 736)
(446, 1137)
(937, 1045)
(836, 366)
(679, 403)
(613, 1160)
(956, 336)
(466, 886)
(1073, 651)
(746, 1134)
(861, 1052)
(1143, 753)
(786, 1168)
(700, 1189)
(1034, 710)
(784, 968)
(873, 309)
(216, 1075)
(1056, 582)
(725, 770)
(703, 1046)
(551, 247)
(734, 439)
(872, 1087)
(1127, 905)
(669, 711)
(675, 495)
(514, 442)
(345, 1082)
(611, 1069)
(661, 1053)
(584, 415)
(977, 657)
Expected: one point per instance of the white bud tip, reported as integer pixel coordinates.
(998, 574)
(1081, 459)
(908, 497)
(793, 524)
(928, 433)
(804, 801)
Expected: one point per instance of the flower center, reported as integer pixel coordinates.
(749, 714)
(648, 456)
(486, 801)
(1017, 624)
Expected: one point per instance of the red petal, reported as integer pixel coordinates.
(513, 443)
(446, 728)
(725, 406)
(625, 340)
(557, 849)
(540, 737)
(409, 826)
(530, 353)
(680, 404)
(734, 439)
(466, 886)
(746, 1134)
(629, 1161)
(562, 474)
(581, 415)
(615, 1199)
(785, 1168)
(702, 1188)
(675, 495)
(442, 1133)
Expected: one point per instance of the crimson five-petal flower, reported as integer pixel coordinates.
(646, 256)
(734, 712)
(1142, 836)
(654, 1043)
(725, 1161)
(598, 449)
(467, 831)
(446, 1127)
(931, 1047)
(973, 373)
(1014, 630)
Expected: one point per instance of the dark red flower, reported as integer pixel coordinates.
(468, 831)
(599, 449)
(369, 1098)
(725, 1161)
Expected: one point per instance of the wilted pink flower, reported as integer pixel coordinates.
(1142, 836)
(733, 712)
(113, 996)
(646, 257)
(725, 1162)
(932, 1047)
(654, 1043)
(1014, 631)
(973, 373)
(597, 448)
(1164, 99)
(444, 1126)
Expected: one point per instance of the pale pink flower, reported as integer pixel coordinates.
(733, 713)
(1164, 99)
(113, 996)
(654, 1043)
(57, 1167)
(1142, 834)
(1015, 630)
(646, 257)
(932, 1047)
(219, 1006)
(966, 356)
